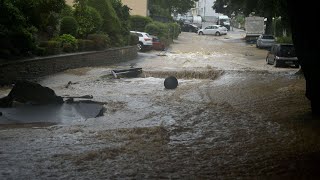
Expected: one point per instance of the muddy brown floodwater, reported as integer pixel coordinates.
(231, 117)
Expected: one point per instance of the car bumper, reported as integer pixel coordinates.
(288, 61)
(266, 45)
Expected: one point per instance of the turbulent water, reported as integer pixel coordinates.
(230, 117)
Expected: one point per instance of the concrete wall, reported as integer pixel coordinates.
(139, 7)
(37, 67)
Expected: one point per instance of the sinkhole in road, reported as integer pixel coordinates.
(184, 74)
(210, 74)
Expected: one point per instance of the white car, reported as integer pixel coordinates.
(145, 40)
(265, 41)
(213, 30)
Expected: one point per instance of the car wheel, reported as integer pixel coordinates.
(217, 34)
(139, 46)
(267, 60)
(201, 33)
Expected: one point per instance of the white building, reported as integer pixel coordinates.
(204, 9)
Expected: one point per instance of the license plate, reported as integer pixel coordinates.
(289, 62)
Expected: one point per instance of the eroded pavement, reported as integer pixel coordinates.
(232, 116)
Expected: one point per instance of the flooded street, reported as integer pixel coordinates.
(232, 116)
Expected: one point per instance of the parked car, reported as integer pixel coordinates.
(157, 44)
(145, 40)
(213, 29)
(265, 41)
(282, 55)
(223, 27)
(189, 28)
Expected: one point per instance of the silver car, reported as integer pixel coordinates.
(213, 30)
(265, 41)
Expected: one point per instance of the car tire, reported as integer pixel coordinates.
(201, 33)
(139, 46)
(217, 34)
(267, 60)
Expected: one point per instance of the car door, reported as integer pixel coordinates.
(215, 29)
(208, 30)
(272, 53)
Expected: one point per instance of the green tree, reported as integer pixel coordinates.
(88, 18)
(265, 8)
(69, 25)
(111, 23)
(174, 6)
(16, 34)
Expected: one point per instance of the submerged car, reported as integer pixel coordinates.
(282, 55)
(145, 40)
(265, 41)
(213, 30)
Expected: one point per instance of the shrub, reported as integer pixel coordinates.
(85, 45)
(153, 29)
(176, 29)
(138, 23)
(89, 20)
(66, 11)
(110, 21)
(69, 25)
(50, 47)
(67, 42)
(117, 40)
(284, 39)
(101, 41)
(133, 39)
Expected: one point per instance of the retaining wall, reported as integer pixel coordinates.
(38, 67)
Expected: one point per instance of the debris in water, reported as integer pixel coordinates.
(132, 72)
(171, 82)
(26, 92)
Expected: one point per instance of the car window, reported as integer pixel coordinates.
(147, 34)
(267, 37)
(209, 27)
(140, 35)
(215, 27)
(287, 51)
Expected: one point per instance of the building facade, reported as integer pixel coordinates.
(69, 2)
(138, 7)
(204, 9)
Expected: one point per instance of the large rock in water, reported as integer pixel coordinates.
(30, 92)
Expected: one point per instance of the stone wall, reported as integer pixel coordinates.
(38, 67)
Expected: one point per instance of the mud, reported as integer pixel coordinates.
(231, 117)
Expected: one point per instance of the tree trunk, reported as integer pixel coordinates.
(305, 38)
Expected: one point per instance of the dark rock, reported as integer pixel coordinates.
(171, 82)
(30, 92)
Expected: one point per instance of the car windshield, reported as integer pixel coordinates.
(267, 37)
(287, 51)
